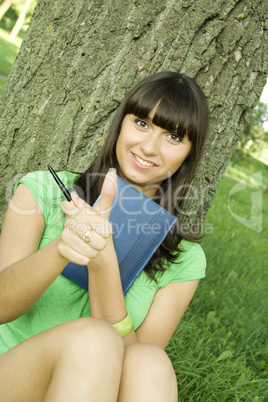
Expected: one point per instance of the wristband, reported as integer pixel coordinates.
(125, 326)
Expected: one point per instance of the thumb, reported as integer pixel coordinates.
(108, 192)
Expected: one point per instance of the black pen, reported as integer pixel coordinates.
(60, 184)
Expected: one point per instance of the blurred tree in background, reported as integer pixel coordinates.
(4, 7)
(254, 139)
(16, 13)
(17, 6)
(255, 136)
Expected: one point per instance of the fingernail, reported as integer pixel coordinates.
(74, 192)
(112, 170)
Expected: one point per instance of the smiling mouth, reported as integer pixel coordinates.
(143, 162)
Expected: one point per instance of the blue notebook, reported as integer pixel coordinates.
(139, 227)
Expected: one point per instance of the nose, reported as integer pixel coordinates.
(150, 144)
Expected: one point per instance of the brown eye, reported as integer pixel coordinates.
(174, 137)
(141, 123)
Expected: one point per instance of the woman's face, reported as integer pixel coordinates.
(148, 154)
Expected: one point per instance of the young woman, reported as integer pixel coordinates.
(59, 342)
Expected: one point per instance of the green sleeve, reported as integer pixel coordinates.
(48, 197)
(37, 184)
(190, 265)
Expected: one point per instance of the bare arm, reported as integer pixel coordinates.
(104, 283)
(107, 299)
(166, 312)
(105, 290)
(106, 296)
(25, 273)
(107, 302)
(169, 304)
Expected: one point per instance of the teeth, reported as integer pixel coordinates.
(143, 162)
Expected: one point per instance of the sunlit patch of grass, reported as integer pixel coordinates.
(8, 52)
(219, 350)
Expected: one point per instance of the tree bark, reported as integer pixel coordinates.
(79, 58)
(17, 27)
(4, 7)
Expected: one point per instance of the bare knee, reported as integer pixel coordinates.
(71, 357)
(91, 354)
(85, 331)
(91, 331)
(150, 358)
(152, 370)
(89, 339)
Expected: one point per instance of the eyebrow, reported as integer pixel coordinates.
(151, 120)
(147, 118)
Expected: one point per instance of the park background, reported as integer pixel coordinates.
(219, 350)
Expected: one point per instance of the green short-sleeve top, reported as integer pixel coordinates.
(64, 300)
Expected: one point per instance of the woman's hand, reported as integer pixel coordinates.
(87, 229)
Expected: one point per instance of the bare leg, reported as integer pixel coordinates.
(70, 362)
(147, 375)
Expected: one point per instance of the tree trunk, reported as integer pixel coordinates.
(4, 7)
(17, 27)
(79, 58)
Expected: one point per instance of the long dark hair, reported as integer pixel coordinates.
(182, 108)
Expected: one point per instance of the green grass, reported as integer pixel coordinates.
(8, 52)
(245, 166)
(220, 350)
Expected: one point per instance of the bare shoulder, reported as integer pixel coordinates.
(22, 229)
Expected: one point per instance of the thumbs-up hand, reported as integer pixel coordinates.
(87, 228)
(108, 191)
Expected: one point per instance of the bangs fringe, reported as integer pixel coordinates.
(175, 108)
